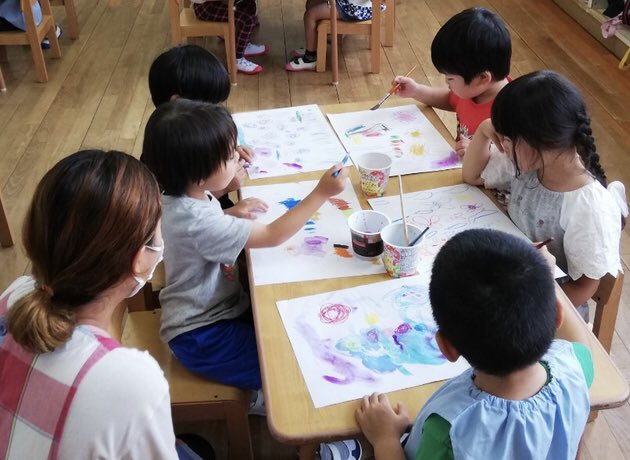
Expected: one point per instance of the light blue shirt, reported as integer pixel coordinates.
(548, 425)
(12, 12)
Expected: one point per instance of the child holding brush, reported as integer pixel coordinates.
(473, 51)
(190, 146)
(558, 187)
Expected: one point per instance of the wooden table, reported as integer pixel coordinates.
(291, 416)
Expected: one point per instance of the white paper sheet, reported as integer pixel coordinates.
(288, 141)
(378, 337)
(403, 132)
(311, 253)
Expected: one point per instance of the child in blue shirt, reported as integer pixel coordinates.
(190, 146)
(473, 51)
(526, 394)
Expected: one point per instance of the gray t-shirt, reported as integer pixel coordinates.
(201, 245)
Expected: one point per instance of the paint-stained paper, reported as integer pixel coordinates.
(288, 141)
(378, 337)
(404, 133)
(321, 249)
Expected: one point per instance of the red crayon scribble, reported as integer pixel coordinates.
(340, 204)
(343, 252)
(334, 313)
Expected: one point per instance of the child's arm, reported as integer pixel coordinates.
(580, 290)
(478, 153)
(285, 226)
(382, 425)
(435, 97)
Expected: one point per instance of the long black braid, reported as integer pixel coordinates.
(585, 145)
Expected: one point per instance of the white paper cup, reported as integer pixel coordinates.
(400, 260)
(374, 168)
(365, 228)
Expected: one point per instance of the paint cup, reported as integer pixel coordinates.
(365, 228)
(374, 168)
(399, 258)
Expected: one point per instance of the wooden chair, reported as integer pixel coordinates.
(34, 35)
(371, 28)
(71, 16)
(5, 231)
(185, 24)
(193, 398)
(607, 298)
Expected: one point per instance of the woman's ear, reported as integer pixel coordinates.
(174, 97)
(139, 264)
(446, 347)
(559, 314)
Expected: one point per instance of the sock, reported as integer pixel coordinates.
(310, 56)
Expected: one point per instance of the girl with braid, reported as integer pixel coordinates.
(557, 186)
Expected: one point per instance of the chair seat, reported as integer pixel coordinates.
(141, 331)
(21, 38)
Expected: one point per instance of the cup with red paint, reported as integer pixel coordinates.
(365, 228)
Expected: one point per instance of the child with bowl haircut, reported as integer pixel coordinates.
(526, 394)
(473, 50)
(190, 146)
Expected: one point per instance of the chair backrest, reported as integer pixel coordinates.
(607, 298)
(185, 24)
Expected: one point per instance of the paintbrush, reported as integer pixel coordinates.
(413, 243)
(543, 243)
(392, 90)
(343, 162)
(402, 209)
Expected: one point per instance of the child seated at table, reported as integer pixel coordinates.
(191, 148)
(473, 51)
(316, 10)
(526, 394)
(193, 72)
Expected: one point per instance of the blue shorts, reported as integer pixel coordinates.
(224, 351)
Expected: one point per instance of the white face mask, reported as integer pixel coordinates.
(141, 282)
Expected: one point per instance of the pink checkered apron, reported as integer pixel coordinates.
(34, 403)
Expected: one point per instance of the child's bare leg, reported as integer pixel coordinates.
(314, 14)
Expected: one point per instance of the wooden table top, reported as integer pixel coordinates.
(291, 416)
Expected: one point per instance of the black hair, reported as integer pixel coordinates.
(471, 42)
(493, 297)
(191, 72)
(547, 111)
(187, 141)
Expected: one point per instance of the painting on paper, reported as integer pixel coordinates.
(377, 337)
(288, 141)
(321, 249)
(446, 211)
(403, 132)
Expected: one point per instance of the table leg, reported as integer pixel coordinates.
(307, 452)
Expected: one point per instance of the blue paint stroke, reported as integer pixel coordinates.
(290, 203)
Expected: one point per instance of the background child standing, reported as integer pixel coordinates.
(473, 51)
(552, 170)
(526, 395)
(190, 147)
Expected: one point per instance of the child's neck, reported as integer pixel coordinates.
(196, 192)
(517, 386)
(563, 171)
(490, 92)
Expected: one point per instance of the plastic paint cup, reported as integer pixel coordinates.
(400, 260)
(365, 228)
(374, 168)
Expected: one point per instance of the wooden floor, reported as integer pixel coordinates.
(97, 96)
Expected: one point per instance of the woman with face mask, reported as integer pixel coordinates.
(67, 389)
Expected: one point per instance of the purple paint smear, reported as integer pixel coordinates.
(451, 160)
(293, 165)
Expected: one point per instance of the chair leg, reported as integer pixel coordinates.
(322, 32)
(375, 37)
(606, 314)
(390, 23)
(239, 440)
(5, 231)
(55, 50)
(3, 87)
(38, 60)
(176, 32)
(307, 452)
(71, 16)
(3, 53)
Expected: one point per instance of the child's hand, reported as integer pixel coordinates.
(329, 185)
(246, 153)
(487, 129)
(461, 145)
(407, 88)
(549, 257)
(247, 208)
(379, 422)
